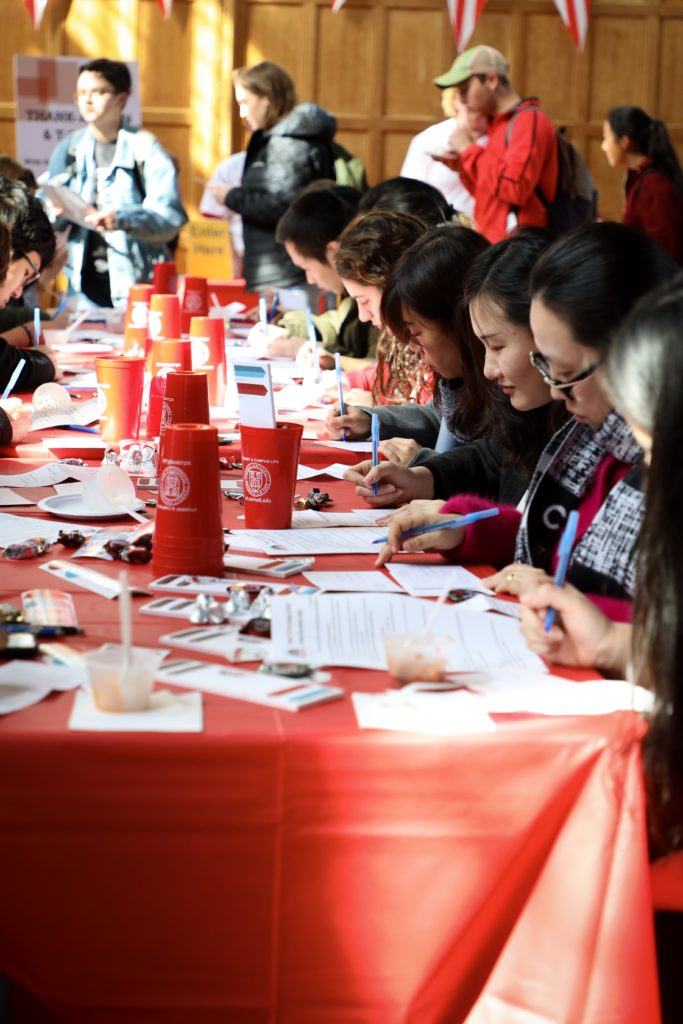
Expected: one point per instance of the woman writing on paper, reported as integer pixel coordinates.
(582, 287)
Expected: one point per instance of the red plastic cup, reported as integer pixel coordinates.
(164, 317)
(194, 300)
(120, 382)
(207, 335)
(137, 309)
(186, 399)
(135, 341)
(166, 354)
(165, 279)
(270, 459)
(188, 530)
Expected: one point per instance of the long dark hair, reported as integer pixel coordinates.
(647, 135)
(408, 195)
(591, 278)
(429, 281)
(500, 276)
(644, 373)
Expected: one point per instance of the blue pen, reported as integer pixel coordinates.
(14, 378)
(340, 389)
(83, 430)
(36, 326)
(61, 306)
(450, 524)
(273, 305)
(564, 551)
(374, 434)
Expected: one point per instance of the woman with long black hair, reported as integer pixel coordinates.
(582, 287)
(640, 144)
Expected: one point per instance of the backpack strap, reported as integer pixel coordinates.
(508, 135)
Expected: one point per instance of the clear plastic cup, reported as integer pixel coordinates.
(417, 657)
(120, 686)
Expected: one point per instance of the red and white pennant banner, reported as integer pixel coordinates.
(36, 10)
(463, 15)
(166, 6)
(337, 5)
(574, 14)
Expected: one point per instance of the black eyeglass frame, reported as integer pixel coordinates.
(540, 364)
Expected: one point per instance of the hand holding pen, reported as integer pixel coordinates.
(439, 531)
(374, 434)
(564, 551)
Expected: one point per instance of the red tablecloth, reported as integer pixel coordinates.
(292, 869)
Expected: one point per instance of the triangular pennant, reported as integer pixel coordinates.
(337, 5)
(463, 15)
(166, 6)
(36, 10)
(574, 14)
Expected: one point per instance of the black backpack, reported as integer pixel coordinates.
(576, 200)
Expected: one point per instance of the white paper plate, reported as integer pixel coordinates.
(70, 506)
(17, 696)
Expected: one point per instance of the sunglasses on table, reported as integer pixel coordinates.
(540, 363)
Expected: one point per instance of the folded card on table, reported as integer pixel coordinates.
(168, 712)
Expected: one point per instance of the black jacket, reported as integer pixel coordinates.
(39, 369)
(476, 468)
(279, 162)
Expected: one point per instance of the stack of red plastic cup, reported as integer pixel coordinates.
(188, 531)
(119, 382)
(270, 460)
(194, 300)
(207, 336)
(186, 399)
(165, 279)
(166, 354)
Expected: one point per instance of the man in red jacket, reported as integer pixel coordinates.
(515, 176)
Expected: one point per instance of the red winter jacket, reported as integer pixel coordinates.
(655, 206)
(502, 175)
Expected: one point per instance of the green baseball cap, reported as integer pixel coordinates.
(480, 60)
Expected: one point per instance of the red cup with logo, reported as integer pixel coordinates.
(120, 382)
(186, 399)
(136, 341)
(165, 278)
(166, 354)
(164, 317)
(207, 335)
(137, 308)
(194, 300)
(270, 459)
(188, 530)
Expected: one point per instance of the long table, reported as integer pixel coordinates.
(291, 868)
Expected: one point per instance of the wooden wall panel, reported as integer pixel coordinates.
(97, 28)
(618, 63)
(670, 76)
(275, 32)
(410, 32)
(550, 67)
(345, 47)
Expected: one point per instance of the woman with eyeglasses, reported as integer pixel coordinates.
(581, 288)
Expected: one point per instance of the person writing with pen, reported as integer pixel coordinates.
(592, 463)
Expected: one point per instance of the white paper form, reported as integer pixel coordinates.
(81, 415)
(353, 582)
(429, 580)
(46, 475)
(73, 206)
(336, 471)
(342, 540)
(349, 446)
(312, 519)
(10, 497)
(455, 713)
(341, 629)
(514, 693)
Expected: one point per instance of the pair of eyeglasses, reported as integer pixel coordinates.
(540, 363)
(86, 94)
(35, 271)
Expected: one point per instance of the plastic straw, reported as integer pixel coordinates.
(125, 617)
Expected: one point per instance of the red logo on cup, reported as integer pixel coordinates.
(174, 486)
(193, 302)
(256, 479)
(154, 323)
(139, 314)
(166, 415)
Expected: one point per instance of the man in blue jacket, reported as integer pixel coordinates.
(128, 179)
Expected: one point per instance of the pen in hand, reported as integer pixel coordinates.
(374, 434)
(37, 331)
(564, 551)
(448, 524)
(340, 390)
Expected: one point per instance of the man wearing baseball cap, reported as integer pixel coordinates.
(515, 177)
